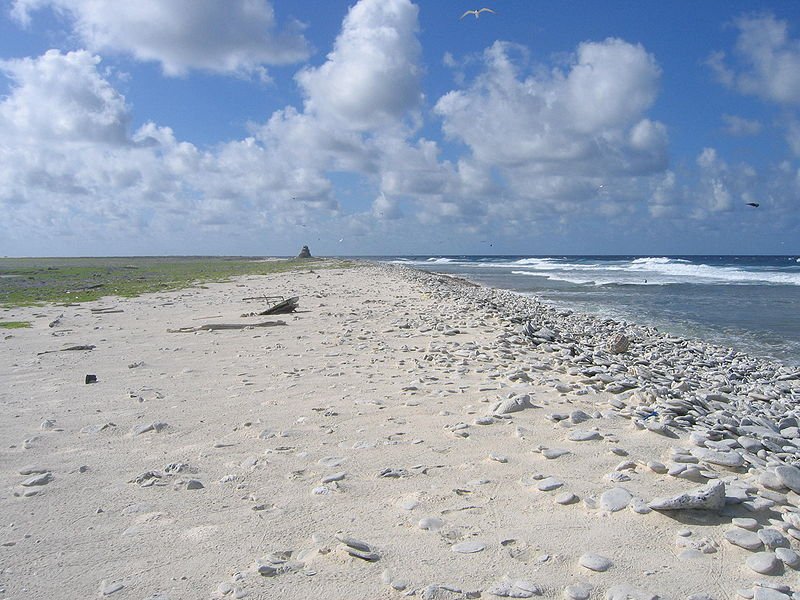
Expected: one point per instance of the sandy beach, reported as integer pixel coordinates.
(401, 434)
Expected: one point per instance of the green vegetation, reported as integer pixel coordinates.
(14, 324)
(33, 281)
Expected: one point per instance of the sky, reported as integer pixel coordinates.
(392, 127)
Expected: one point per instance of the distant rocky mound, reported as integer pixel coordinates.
(304, 253)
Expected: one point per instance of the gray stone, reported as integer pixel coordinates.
(578, 591)
(789, 476)
(512, 405)
(657, 467)
(582, 435)
(565, 498)
(745, 523)
(731, 459)
(765, 593)
(352, 542)
(708, 497)
(32, 470)
(430, 523)
(773, 538)
(615, 499)
(639, 506)
(595, 562)
(553, 453)
(744, 539)
(619, 344)
(578, 416)
(369, 556)
(468, 547)
(515, 589)
(157, 426)
(106, 589)
(334, 477)
(789, 557)
(40, 479)
(549, 484)
(194, 484)
(765, 563)
(770, 480)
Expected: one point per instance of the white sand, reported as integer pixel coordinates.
(329, 384)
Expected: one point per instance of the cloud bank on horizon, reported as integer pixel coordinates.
(404, 131)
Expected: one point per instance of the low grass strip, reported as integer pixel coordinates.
(37, 281)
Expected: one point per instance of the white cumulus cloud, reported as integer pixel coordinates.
(586, 120)
(372, 76)
(765, 61)
(61, 97)
(231, 36)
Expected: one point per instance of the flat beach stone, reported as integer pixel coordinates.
(744, 539)
(730, 459)
(595, 562)
(789, 476)
(106, 589)
(553, 453)
(765, 563)
(549, 484)
(745, 523)
(615, 499)
(32, 470)
(583, 435)
(578, 591)
(352, 542)
(789, 557)
(333, 477)
(468, 547)
(512, 405)
(40, 479)
(765, 593)
(770, 480)
(430, 523)
(565, 498)
(772, 538)
(514, 589)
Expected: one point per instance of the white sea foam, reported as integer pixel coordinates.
(650, 271)
(656, 270)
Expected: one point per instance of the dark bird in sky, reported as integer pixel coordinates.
(477, 12)
(753, 204)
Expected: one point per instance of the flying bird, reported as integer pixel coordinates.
(753, 204)
(477, 12)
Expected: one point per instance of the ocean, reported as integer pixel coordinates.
(749, 303)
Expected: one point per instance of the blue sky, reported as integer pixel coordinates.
(252, 127)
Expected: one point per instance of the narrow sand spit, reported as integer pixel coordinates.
(402, 434)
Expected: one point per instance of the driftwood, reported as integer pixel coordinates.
(264, 298)
(281, 308)
(81, 347)
(105, 311)
(221, 326)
